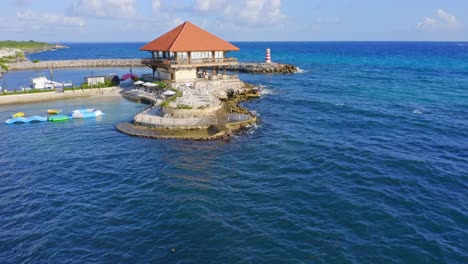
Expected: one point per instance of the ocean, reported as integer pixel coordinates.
(360, 158)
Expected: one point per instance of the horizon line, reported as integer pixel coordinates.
(95, 41)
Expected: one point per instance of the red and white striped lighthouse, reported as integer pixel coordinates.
(267, 56)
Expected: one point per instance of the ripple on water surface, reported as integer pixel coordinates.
(339, 170)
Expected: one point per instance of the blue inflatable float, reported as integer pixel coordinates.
(26, 119)
(86, 113)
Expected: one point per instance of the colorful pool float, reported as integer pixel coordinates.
(26, 120)
(58, 118)
(86, 113)
(54, 111)
(19, 114)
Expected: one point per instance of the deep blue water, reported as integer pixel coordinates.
(363, 158)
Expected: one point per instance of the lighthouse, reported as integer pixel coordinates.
(267, 56)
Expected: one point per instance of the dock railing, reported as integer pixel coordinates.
(152, 61)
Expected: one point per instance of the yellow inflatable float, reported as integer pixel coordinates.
(54, 111)
(19, 114)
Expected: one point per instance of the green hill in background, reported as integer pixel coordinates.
(26, 46)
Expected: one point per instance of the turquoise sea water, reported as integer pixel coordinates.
(362, 158)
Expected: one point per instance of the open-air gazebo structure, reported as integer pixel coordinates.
(188, 52)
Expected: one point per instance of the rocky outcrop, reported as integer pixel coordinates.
(263, 68)
(10, 53)
(47, 47)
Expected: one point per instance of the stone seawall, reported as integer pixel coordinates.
(51, 96)
(253, 67)
(29, 65)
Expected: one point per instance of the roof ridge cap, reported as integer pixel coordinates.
(178, 35)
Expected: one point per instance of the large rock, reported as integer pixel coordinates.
(9, 52)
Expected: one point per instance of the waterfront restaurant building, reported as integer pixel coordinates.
(188, 52)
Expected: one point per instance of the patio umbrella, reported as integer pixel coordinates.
(128, 76)
(148, 84)
(168, 93)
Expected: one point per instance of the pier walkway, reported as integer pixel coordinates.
(29, 65)
(248, 67)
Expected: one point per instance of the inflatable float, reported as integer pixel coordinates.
(26, 119)
(19, 114)
(86, 113)
(58, 118)
(54, 111)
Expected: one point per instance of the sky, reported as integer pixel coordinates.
(235, 20)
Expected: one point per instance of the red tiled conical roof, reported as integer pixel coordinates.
(188, 37)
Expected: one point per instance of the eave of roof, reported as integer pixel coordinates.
(188, 37)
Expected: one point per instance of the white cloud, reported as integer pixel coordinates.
(156, 6)
(22, 2)
(449, 19)
(41, 20)
(251, 12)
(44, 24)
(177, 21)
(104, 8)
(444, 21)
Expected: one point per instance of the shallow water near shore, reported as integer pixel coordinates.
(362, 158)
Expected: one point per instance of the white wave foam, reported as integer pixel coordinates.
(417, 111)
(266, 92)
(251, 129)
(299, 70)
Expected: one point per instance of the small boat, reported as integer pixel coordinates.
(43, 83)
(26, 120)
(86, 113)
(54, 111)
(19, 114)
(58, 118)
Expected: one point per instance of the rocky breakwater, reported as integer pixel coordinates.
(28, 65)
(250, 67)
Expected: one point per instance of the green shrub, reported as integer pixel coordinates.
(183, 106)
(36, 61)
(84, 86)
(27, 92)
(161, 84)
